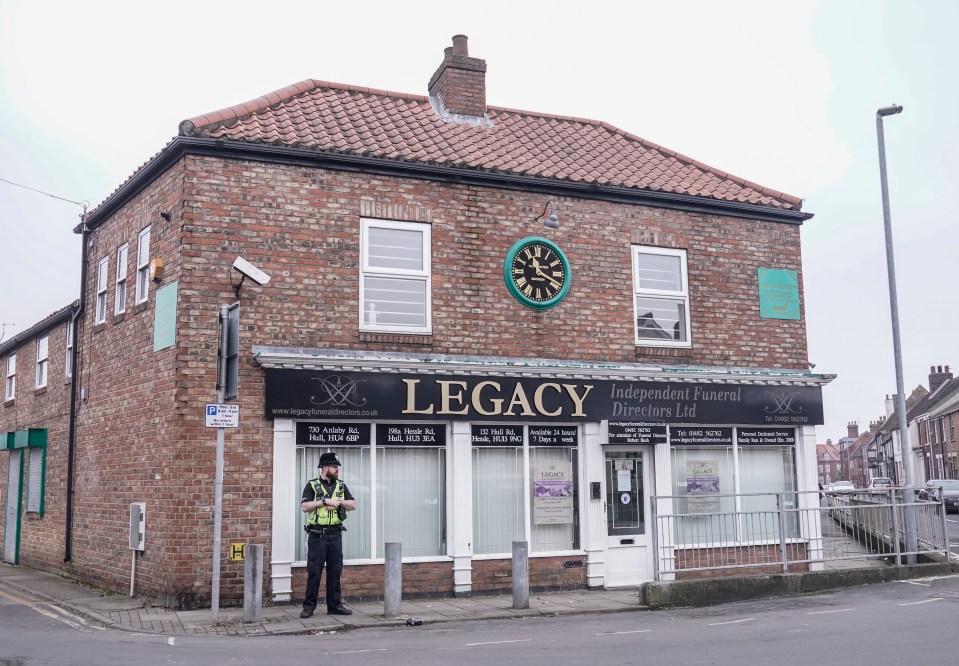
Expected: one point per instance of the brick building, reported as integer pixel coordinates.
(828, 463)
(422, 321)
(37, 369)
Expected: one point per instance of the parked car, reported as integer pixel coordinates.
(881, 483)
(949, 489)
(841, 487)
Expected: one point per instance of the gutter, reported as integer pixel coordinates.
(72, 432)
(182, 145)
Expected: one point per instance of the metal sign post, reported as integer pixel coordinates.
(218, 486)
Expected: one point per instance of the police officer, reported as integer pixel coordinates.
(325, 500)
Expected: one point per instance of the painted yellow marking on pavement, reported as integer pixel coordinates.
(836, 610)
(916, 603)
(613, 633)
(519, 640)
(29, 604)
(719, 624)
(77, 618)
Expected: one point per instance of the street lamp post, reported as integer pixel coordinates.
(908, 495)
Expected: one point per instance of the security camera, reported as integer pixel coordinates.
(246, 269)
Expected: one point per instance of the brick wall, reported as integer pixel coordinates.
(48, 408)
(365, 582)
(739, 561)
(544, 573)
(140, 426)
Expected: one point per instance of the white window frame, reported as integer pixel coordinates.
(424, 275)
(68, 357)
(120, 297)
(103, 268)
(681, 295)
(43, 358)
(10, 390)
(143, 266)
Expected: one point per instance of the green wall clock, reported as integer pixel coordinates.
(537, 273)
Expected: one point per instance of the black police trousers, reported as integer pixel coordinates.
(324, 550)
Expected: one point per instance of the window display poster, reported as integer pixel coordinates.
(624, 482)
(553, 493)
(702, 486)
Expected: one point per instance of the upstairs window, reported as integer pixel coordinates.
(102, 269)
(68, 358)
(661, 297)
(143, 265)
(11, 383)
(120, 302)
(395, 277)
(42, 360)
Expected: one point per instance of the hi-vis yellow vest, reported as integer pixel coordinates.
(325, 516)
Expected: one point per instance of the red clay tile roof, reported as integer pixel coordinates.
(337, 118)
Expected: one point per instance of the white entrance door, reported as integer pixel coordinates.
(11, 514)
(629, 485)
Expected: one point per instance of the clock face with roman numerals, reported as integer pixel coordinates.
(537, 273)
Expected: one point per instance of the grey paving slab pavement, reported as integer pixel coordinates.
(133, 614)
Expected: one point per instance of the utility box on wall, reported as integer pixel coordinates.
(137, 525)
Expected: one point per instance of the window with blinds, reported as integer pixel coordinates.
(661, 297)
(395, 277)
(35, 478)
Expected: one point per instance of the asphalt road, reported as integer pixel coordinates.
(903, 622)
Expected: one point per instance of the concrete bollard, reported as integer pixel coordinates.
(253, 583)
(393, 580)
(520, 575)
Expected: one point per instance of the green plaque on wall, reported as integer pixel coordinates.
(164, 317)
(778, 294)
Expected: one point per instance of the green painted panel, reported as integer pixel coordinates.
(778, 294)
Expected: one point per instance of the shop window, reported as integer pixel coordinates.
(502, 482)
(10, 389)
(120, 300)
(43, 344)
(143, 265)
(661, 297)
(411, 500)
(395, 277)
(101, 308)
(498, 500)
(549, 531)
(355, 473)
(741, 500)
(692, 468)
(400, 493)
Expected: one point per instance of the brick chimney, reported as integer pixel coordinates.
(852, 429)
(874, 426)
(460, 82)
(938, 377)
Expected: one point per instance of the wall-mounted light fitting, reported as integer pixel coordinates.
(166, 215)
(552, 221)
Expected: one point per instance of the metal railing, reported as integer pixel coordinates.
(714, 534)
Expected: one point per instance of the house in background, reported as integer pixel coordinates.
(509, 325)
(828, 463)
(37, 366)
(932, 427)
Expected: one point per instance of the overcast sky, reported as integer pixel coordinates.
(781, 93)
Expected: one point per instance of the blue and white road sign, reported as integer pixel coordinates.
(223, 416)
